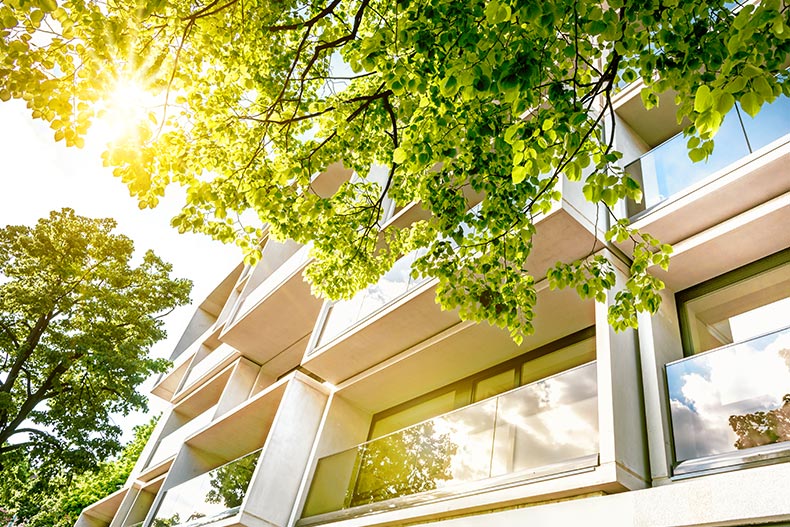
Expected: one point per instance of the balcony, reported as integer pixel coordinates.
(667, 170)
(168, 445)
(398, 306)
(730, 407)
(214, 360)
(210, 497)
(276, 308)
(394, 284)
(538, 431)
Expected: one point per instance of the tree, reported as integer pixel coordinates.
(76, 321)
(497, 98)
(62, 502)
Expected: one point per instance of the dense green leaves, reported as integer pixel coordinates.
(58, 501)
(76, 322)
(492, 101)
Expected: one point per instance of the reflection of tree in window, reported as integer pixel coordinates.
(229, 483)
(762, 428)
(413, 460)
(166, 522)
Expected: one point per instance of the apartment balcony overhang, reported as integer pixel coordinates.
(473, 459)
(276, 316)
(461, 349)
(737, 188)
(171, 381)
(566, 233)
(269, 433)
(744, 238)
(101, 513)
(406, 321)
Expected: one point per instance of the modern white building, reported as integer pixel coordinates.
(384, 410)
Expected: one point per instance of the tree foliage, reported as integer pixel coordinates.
(76, 321)
(60, 503)
(497, 99)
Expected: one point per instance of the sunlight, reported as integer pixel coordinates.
(126, 114)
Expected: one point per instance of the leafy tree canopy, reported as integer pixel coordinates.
(59, 502)
(495, 98)
(76, 322)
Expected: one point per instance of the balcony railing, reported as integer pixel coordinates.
(667, 169)
(208, 498)
(168, 446)
(533, 431)
(731, 406)
(394, 284)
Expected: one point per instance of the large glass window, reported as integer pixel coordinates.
(567, 353)
(731, 396)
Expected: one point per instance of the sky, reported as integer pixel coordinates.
(39, 175)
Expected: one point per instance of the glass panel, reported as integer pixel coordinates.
(667, 169)
(441, 404)
(495, 385)
(210, 497)
(746, 309)
(548, 422)
(733, 398)
(427, 456)
(533, 426)
(771, 123)
(395, 283)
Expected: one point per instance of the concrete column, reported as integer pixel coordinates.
(620, 404)
(285, 456)
(659, 343)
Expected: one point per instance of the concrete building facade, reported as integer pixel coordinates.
(384, 410)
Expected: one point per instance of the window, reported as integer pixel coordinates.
(730, 398)
(564, 354)
(746, 303)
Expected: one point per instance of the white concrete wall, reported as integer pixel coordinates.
(747, 497)
(285, 456)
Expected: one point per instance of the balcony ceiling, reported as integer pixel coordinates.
(244, 429)
(278, 322)
(743, 239)
(654, 126)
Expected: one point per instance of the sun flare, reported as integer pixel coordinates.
(127, 113)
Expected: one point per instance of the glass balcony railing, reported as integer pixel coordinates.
(394, 284)
(168, 446)
(731, 403)
(208, 498)
(667, 169)
(534, 430)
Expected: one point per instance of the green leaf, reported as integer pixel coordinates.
(702, 99)
(399, 155)
(750, 103)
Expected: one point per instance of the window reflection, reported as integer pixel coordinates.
(732, 398)
(738, 312)
(667, 169)
(209, 497)
(547, 422)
